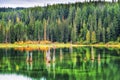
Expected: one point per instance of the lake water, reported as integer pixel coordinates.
(82, 63)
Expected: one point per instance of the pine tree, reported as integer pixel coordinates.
(45, 25)
(108, 34)
(73, 34)
(88, 36)
(93, 37)
(99, 30)
(103, 35)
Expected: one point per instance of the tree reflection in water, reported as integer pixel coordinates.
(78, 63)
(53, 62)
(92, 57)
(61, 55)
(29, 60)
(99, 63)
(48, 60)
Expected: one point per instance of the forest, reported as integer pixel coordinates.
(89, 22)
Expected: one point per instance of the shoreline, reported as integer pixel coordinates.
(57, 45)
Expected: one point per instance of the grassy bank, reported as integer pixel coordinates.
(56, 45)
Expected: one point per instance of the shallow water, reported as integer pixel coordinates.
(82, 63)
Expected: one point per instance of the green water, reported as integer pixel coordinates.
(82, 63)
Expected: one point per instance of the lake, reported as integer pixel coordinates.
(74, 63)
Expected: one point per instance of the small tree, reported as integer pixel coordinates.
(88, 36)
(45, 25)
(93, 37)
(73, 34)
(103, 35)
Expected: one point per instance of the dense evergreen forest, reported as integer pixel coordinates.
(91, 22)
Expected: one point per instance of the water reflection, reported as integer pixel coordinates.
(29, 56)
(53, 62)
(50, 61)
(92, 57)
(13, 77)
(47, 60)
(64, 63)
(92, 54)
(99, 63)
(61, 55)
(29, 60)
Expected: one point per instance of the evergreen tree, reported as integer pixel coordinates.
(93, 37)
(99, 30)
(62, 23)
(88, 36)
(73, 34)
(45, 25)
(103, 35)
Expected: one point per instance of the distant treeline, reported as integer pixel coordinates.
(80, 22)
